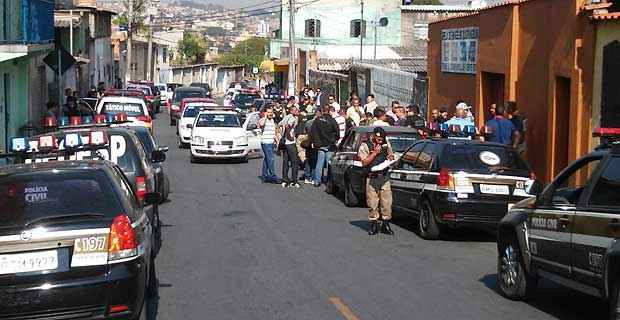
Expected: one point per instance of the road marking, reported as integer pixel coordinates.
(344, 310)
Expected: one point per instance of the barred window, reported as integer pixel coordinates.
(358, 27)
(313, 28)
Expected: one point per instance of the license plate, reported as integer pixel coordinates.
(219, 148)
(494, 189)
(90, 251)
(28, 262)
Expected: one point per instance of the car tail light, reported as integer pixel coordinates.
(144, 118)
(140, 187)
(448, 216)
(150, 97)
(118, 308)
(122, 239)
(445, 181)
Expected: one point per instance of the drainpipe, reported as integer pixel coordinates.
(71, 32)
(25, 19)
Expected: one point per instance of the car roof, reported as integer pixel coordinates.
(86, 165)
(194, 99)
(368, 129)
(217, 112)
(467, 142)
(122, 99)
(181, 89)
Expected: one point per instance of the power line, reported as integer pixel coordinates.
(223, 18)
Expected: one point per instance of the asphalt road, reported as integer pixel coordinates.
(238, 249)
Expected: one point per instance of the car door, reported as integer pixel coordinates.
(597, 224)
(551, 222)
(406, 178)
(344, 158)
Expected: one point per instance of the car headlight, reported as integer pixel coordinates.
(241, 141)
(198, 140)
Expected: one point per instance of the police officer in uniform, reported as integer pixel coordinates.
(378, 189)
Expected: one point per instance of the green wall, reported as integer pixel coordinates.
(16, 101)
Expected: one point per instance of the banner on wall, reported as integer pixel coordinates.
(459, 50)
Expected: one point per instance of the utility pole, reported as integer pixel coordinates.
(362, 31)
(129, 35)
(71, 32)
(149, 59)
(292, 62)
(375, 23)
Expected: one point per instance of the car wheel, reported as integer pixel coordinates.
(427, 224)
(192, 159)
(245, 159)
(513, 280)
(331, 187)
(350, 198)
(144, 312)
(166, 188)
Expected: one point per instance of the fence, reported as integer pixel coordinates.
(26, 21)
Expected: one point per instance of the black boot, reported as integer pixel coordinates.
(373, 227)
(385, 227)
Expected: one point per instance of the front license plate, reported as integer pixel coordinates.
(90, 251)
(219, 148)
(494, 189)
(28, 262)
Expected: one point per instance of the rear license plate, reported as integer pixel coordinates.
(90, 251)
(494, 189)
(28, 262)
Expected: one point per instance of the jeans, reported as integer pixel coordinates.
(310, 164)
(268, 173)
(322, 160)
(290, 160)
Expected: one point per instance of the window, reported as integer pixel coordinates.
(605, 191)
(409, 159)
(358, 27)
(568, 187)
(313, 28)
(425, 159)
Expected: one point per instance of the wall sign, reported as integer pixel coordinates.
(459, 50)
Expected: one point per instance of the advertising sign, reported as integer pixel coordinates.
(459, 50)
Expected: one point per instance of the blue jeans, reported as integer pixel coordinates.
(322, 160)
(269, 172)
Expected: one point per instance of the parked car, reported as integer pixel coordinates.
(133, 108)
(152, 149)
(218, 134)
(205, 86)
(151, 94)
(190, 107)
(178, 96)
(346, 172)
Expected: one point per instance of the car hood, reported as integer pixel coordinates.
(219, 133)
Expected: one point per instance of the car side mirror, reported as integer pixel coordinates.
(189, 126)
(252, 126)
(534, 188)
(152, 198)
(158, 156)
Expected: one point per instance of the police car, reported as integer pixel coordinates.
(133, 108)
(162, 183)
(75, 241)
(243, 100)
(456, 182)
(346, 172)
(189, 110)
(568, 232)
(218, 133)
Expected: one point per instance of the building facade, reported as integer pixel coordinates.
(538, 53)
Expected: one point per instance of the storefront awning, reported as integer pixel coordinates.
(267, 66)
(6, 56)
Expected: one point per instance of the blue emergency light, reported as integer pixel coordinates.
(109, 118)
(73, 140)
(87, 119)
(20, 144)
(64, 121)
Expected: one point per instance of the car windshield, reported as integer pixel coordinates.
(145, 90)
(147, 141)
(131, 109)
(161, 88)
(35, 195)
(180, 95)
(484, 159)
(401, 142)
(243, 100)
(218, 120)
(191, 111)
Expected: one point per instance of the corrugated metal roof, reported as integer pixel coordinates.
(343, 65)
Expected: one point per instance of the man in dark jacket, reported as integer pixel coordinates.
(323, 136)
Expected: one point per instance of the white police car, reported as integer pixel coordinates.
(134, 108)
(218, 134)
(186, 121)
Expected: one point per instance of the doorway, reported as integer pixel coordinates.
(493, 86)
(561, 124)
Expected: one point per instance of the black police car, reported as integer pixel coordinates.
(346, 172)
(75, 242)
(162, 184)
(567, 233)
(458, 182)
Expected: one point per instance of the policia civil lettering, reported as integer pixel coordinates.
(378, 189)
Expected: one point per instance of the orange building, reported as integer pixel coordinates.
(538, 53)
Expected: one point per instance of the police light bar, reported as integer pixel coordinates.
(97, 138)
(75, 120)
(20, 144)
(49, 122)
(100, 118)
(72, 140)
(120, 117)
(47, 142)
(63, 121)
(87, 119)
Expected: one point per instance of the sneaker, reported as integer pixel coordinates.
(316, 184)
(284, 185)
(308, 181)
(294, 185)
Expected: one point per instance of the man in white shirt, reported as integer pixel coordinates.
(355, 111)
(381, 117)
(331, 101)
(371, 104)
(342, 125)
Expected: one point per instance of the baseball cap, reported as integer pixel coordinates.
(463, 106)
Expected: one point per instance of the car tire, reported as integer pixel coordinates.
(144, 311)
(182, 145)
(614, 302)
(513, 281)
(330, 187)
(350, 198)
(428, 227)
(152, 285)
(192, 159)
(166, 188)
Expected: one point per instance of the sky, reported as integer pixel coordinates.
(243, 3)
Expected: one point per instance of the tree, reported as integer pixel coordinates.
(250, 52)
(192, 48)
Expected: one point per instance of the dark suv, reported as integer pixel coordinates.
(567, 233)
(178, 96)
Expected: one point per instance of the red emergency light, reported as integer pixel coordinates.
(75, 120)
